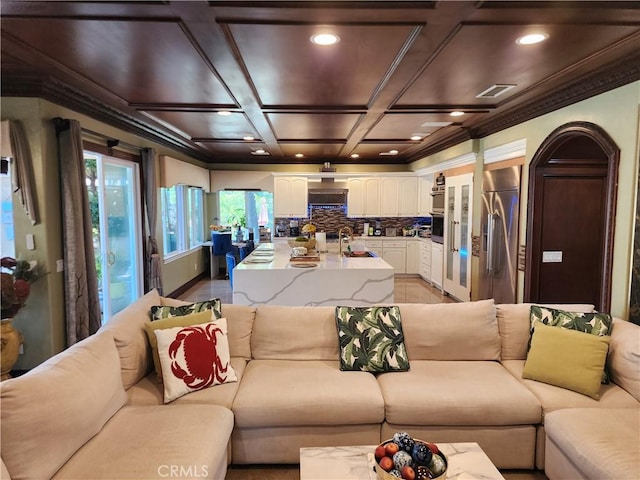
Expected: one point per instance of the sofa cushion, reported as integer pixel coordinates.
(171, 322)
(194, 357)
(146, 442)
(167, 311)
(239, 321)
(276, 333)
(50, 412)
(602, 445)
(149, 392)
(127, 329)
(554, 398)
(624, 356)
(283, 392)
(514, 324)
(457, 393)
(567, 358)
(451, 331)
(371, 339)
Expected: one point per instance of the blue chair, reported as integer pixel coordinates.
(221, 245)
(250, 246)
(244, 251)
(231, 263)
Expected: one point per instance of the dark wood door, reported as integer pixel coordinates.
(570, 218)
(571, 225)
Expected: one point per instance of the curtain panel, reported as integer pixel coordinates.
(153, 273)
(22, 177)
(82, 305)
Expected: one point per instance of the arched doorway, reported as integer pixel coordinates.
(571, 217)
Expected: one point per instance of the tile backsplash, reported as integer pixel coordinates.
(331, 219)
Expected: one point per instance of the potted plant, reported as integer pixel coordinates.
(16, 278)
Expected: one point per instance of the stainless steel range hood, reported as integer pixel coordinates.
(327, 196)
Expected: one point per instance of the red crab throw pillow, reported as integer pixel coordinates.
(194, 357)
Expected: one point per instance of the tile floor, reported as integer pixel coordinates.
(407, 290)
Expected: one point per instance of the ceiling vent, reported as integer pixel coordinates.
(495, 90)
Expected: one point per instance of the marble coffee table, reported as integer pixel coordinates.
(466, 461)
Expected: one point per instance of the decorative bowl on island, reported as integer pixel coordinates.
(410, 459)
(308, 243)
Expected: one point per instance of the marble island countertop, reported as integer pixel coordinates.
(277, 256)
(268, 276)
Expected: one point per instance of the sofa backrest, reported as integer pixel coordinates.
(294, 333)
(127, 329)
(623, 359)
(240, 320)
(451, 331)
(514, 325)
(52, 411)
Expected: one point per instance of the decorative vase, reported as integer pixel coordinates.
(10, 342)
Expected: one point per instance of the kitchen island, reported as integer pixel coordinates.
(268, 276)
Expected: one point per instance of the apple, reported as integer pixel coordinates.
(386, 463)
(380, 452)
(408, 473)
(391, 449)
(433, 447)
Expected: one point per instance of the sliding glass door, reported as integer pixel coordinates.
(114, 193)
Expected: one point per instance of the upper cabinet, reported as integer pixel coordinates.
(290, 195)
(424, 195)
(398, 196)
(363, 198)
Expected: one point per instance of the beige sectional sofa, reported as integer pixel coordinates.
(96, 410)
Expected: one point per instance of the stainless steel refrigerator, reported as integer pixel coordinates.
(499, 241)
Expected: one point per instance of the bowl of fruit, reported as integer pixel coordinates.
(410, 459)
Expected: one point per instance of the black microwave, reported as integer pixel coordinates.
(437, 228)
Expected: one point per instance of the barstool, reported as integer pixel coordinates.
(231, 263)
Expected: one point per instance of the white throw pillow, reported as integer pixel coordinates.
(194, 357)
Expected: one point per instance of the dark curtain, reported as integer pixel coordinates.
(83, 317)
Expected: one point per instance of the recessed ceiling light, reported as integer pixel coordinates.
(224, 113)
(390, 152)
(532, 38)
(456, 114)
(393, 152)
(299, 155)
(325, 39)
(355, 155)
(417, 136)
(248, 138)
(260, 151)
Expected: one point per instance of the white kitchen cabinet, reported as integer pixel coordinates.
(290, 197)
(363, 197)
(457, 236)
(413, 257)
(394, 252)
(424, 195)
(398, 196)
(374, 246)
(437, 262)
(389, 201)
(408, 197)
(425, 260)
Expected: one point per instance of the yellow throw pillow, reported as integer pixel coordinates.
(171, 322)
(567, 358)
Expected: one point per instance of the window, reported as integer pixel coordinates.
(182, 218)
(7, 244)
(248, 209)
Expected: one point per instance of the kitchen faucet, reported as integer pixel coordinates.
(340, 238)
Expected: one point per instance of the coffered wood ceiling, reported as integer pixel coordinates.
(164, 69)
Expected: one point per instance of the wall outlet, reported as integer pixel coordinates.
(59, 265)
(21, 350)
(195, 267)
(31, 244)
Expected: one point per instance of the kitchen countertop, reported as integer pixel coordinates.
(267, 276)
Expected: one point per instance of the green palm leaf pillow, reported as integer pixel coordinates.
(163, 311)
(371, 339)
(594, 323)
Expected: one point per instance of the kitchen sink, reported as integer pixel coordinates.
(359, 254)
